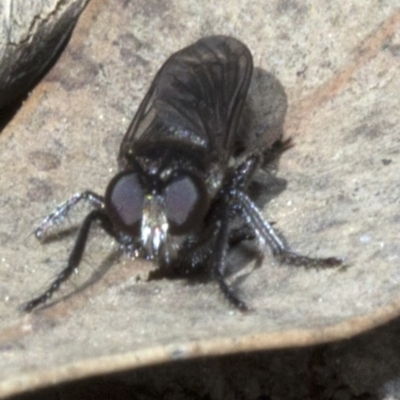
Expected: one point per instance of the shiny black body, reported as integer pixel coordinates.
(181, 182)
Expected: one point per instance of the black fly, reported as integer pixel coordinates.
(180, 183)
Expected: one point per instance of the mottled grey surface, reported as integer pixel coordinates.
(338, 191)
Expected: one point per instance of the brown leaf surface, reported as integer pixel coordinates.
(340, 70)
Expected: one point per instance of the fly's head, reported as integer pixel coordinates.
(157, 209)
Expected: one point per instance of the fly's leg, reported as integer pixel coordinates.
(267, 235)
(233, 202)
(218, 262)
(63, 209)
(238, 179)
(74, 258)
(225, 210)
(262, 229)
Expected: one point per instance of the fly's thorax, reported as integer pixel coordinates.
(169, 154)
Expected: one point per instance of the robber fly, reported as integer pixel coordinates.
(180, 183)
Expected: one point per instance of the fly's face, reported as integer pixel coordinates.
(157, 209)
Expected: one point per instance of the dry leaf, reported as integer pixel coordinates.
(339, 194)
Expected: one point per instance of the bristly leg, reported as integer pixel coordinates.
(219, 257)
(266, 233)
(229, 293)
(293, 258)
(225, 238)
(254, 227)
(73, 261)
(63, 209)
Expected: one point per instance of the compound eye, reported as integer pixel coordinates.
(186, 203)
(124, 202)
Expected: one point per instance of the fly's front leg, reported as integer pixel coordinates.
(63, 209)
(237, 179)
(73, 261)
(218, 266)
(220, 246)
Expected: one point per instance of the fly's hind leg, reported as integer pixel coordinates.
(261, 228)
(267, 235)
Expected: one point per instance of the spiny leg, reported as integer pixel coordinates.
(263, 229)
(266, 233)
(218, 260)
(73, 261)
(63, 209)
(237, 179)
